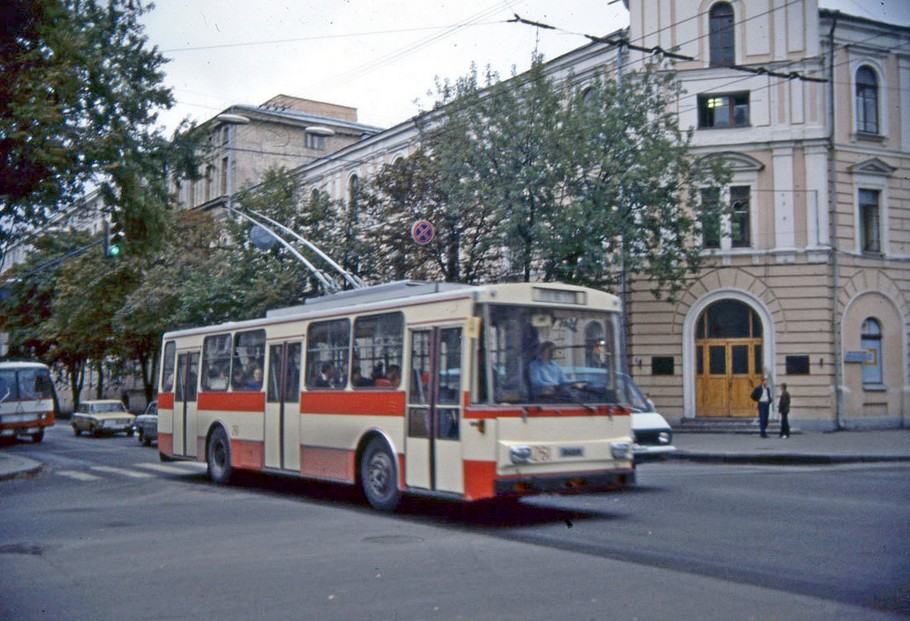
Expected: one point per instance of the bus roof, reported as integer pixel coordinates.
(21, 364)
(391, 295)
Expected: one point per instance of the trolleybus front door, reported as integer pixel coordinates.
(185, 404)
(282, 407)
(433, 458)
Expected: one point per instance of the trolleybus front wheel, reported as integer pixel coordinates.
(379, 476)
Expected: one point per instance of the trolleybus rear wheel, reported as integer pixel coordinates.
(379, 476)
(218, 457)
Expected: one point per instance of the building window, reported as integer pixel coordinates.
(721, 38)
(722, 111)
(871, 342)
(866, 101)
(740, 234)
(869, 228)
(225, 190)
(315, 141)
(710, 223)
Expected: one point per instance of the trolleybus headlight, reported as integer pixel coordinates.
(521, 454)
(621, 450)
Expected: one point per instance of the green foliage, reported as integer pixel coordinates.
(79, 92)
(533, 178)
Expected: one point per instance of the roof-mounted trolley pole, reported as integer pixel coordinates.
(355, 281)
(329, 284)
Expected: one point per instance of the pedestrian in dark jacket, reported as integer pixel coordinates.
(762, 394)
(784, 408)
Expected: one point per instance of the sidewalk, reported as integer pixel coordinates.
(829, 447)
(12, 466)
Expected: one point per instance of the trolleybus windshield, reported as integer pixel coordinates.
(549, 355)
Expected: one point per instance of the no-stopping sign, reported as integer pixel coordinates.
(422, 232)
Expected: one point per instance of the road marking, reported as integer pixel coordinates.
(79, 476)
(171, 469)
(122, 471)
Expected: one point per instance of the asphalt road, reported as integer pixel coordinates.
(106, 531)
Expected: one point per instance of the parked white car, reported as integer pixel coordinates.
(652, 433)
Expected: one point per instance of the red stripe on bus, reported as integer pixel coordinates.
(166, 444)
(478, 479)
(359, 403)
(247, 455)
(232, 401)
(166, 401)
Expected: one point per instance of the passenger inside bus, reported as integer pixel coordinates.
(255, 382)
(326, 376)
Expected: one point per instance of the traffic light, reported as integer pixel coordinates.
(113, 239)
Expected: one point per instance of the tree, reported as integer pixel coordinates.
(79, 92)
(560, 180)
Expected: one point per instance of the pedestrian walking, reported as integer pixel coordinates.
(762, 395)
(783, 407)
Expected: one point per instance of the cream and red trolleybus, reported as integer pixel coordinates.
(454, 391)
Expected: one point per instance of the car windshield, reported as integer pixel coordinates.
(106, 408)
(550, 355)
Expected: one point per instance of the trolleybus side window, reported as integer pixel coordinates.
(8, 385)
(216, 362)
(167, 366)
(328, 344)
(378, 342)
(34, 384)
(249, 361)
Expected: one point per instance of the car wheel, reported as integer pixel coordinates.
(379, 476)
(146, 441)
(38, 437)
(129, 433)
(218, 457)
(76, 431)
(96, 432)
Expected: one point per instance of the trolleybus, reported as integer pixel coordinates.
(455, 391)
(26, 399)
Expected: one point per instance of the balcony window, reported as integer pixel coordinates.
(721, 35)
(866, 101)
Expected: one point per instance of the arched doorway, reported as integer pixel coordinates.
(728, 359)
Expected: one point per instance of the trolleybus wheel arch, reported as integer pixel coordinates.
(218, 456)
(379, 475)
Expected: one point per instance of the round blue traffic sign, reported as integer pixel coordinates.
(422, 232)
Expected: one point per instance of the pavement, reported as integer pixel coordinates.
(818, 447)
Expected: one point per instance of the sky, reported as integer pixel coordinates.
(380, 56)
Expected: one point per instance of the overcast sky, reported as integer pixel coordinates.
(379, 56)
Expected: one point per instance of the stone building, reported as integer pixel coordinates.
(808, 281)
(242, 142)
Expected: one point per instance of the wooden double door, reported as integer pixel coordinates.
(726, 372)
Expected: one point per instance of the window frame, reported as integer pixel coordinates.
(869, 210)
(709, 104)
(866, 96)
(337, 338)
(872, 341)
(390, 344)
(721, 35)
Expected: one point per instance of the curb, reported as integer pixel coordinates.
(21, 468)
(785, 458)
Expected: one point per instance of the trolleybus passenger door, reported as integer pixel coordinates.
(282, 407)
(185, 404)
(433, 457)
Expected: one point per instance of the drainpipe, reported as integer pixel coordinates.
(832, 217)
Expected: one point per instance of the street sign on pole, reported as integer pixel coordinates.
(423, 232)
